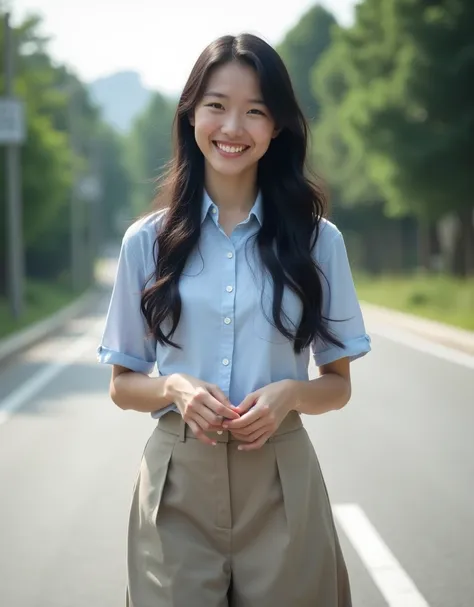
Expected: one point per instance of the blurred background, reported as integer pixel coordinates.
(88, 91)
(388, 88)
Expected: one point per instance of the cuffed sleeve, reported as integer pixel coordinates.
(340, 307)
(126, 340)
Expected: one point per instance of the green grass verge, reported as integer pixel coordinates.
(441, 298)
(41, 300)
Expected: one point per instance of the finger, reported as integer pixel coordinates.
(249, 438)
(256, 444)
(203, 423)
(214, 421)
(218, 408)
(198, 432)
(219, 395)
(242, 422)
(239, 437)
(253, 427)
(248, 402)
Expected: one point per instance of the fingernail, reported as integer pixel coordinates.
(225, 426)
(214, 444)
(240, 448)
(219, 432)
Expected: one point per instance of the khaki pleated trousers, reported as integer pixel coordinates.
(217, 527)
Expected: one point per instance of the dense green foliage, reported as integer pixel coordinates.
(390, 100)
(66, 143)
(396, 125)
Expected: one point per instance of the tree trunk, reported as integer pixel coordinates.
(394, 246)
(3, 259)
(3, 277)
(447, 228)
(466, 241)
(436, 262)
(424, 245)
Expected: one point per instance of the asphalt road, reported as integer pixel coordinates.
(398, 461)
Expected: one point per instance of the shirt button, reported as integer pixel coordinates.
(214, 210)
(230, 255)
(227, 321)
(225, 362)
(229, 289)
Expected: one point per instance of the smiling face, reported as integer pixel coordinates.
(232, 126)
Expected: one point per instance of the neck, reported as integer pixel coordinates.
(232, 193)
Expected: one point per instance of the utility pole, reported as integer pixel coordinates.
(75, 219)
(95, 205)
(12, 134)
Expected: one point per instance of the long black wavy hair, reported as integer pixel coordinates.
(293, 204)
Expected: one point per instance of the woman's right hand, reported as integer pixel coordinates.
(203, 406)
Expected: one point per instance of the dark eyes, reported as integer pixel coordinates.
(218, 106)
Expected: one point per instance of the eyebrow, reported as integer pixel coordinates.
(222, 96)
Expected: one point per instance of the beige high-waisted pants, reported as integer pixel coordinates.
(217, 527)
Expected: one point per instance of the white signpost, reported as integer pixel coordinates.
(12, 135)
(12, 121)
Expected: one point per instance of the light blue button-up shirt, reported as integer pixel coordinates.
(225, 328)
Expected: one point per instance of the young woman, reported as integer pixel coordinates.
(229, 290)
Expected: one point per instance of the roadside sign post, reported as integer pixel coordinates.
(12, 135)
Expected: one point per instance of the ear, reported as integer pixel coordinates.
(191, 119)
(276, 132)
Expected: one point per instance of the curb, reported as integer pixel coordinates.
(431, 330)
(434, 331)
(18, 342)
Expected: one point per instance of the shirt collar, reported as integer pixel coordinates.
(208, 205)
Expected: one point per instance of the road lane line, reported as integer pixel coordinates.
(392, 581)
(424, 345)
(29, 389)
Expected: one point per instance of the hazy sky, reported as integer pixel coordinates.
(159, 38)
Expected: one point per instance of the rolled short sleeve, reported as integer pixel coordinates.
(341, 307)
(125, 339)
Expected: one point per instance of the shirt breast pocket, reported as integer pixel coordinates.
(199, 289)
(264, 324)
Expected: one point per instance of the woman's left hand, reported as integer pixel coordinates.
(261, 413)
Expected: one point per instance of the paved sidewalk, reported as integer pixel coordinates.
(431, 330)
(14, 344)
(434, 331)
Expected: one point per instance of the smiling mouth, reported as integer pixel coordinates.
(232, 150)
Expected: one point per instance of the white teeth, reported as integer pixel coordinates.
(231, 149)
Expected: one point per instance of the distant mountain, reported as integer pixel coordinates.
(121, 97)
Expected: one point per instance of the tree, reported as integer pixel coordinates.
(149, 150)
(410, 104)
(46, 158)
(301, 50)
(116, 183)
(338, 156)
(57, 103)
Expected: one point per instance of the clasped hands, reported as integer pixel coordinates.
(205, 408)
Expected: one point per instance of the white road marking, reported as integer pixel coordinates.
(30, 388)
(423, 345)
(393, 582)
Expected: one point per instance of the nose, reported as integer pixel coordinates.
(232, 126)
